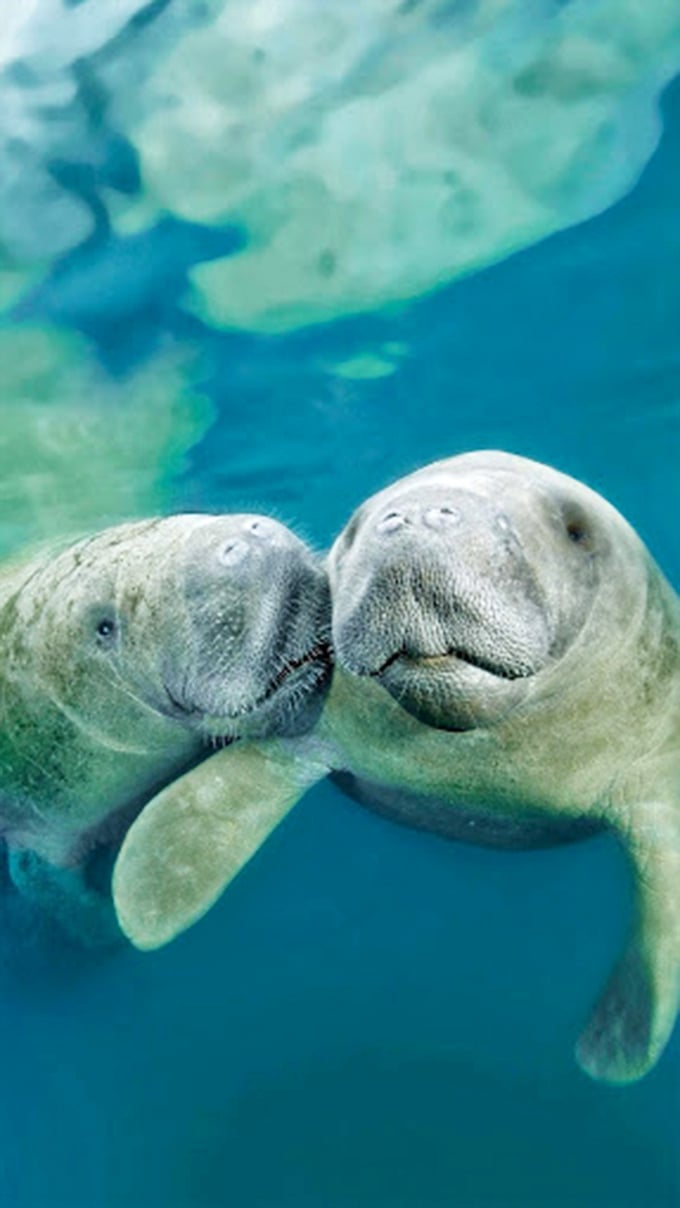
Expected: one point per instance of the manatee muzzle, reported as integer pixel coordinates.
(442, 608)
(257, 609)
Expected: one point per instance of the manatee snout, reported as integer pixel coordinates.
(256, 613)
(434, 596)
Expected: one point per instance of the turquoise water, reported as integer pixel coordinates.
(371, 1017)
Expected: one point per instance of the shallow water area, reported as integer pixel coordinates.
(371, 1017)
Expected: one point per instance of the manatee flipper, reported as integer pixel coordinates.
(84, 914)
(635, 1015)
(195, 835)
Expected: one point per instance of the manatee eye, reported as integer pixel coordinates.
(578, 529)
(106, 629)
(576, 532)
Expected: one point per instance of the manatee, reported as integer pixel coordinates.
(507, 673)
(124, 658)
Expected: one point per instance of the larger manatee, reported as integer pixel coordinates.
(123, 657)
(508, 673)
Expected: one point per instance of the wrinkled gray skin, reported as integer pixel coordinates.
(122, 659)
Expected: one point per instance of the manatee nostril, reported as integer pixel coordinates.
(258, 528)
(442, 517)
(502, 523)
(391, 522)
(232, 552)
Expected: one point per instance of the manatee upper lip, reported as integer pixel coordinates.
(464, 656)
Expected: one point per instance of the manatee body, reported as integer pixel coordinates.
(511, 676)
(508, 673)
(122, 658)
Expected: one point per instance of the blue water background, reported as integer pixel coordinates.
(373, 1016)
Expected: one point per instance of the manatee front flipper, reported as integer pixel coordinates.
(637, 1011)
(84, 914)
(192, 839)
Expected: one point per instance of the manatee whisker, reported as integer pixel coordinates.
(321, 651)
(318, 659)
(219, 741)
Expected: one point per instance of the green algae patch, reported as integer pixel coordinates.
(82, 449)
(364, 368)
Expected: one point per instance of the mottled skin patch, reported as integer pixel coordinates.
(508, 672)
(121, 658)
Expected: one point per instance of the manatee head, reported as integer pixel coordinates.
(461, 587)
(218, 624)
(256, 608)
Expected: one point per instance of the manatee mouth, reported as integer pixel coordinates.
(407, 657)
(299, 683)
(454, 689)
(318, 659)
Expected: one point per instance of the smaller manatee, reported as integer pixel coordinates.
(507, 673)
(123, 658)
